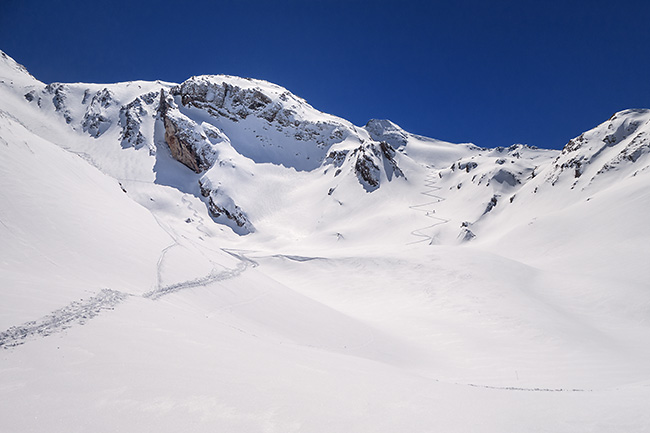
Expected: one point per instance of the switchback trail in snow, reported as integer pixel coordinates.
(77, 312)
(431, 188)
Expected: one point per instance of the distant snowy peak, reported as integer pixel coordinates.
(385, 130)
(621, 146)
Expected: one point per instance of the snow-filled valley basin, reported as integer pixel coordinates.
(218, 255)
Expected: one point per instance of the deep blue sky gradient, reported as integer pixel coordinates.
(493, 73)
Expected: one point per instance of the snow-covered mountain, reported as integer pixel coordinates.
(241, 261)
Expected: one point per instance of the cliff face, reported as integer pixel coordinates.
(191, 144)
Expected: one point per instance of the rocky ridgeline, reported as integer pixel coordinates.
(207, 118)
(620, 141)
(280, 108)
(190, 112)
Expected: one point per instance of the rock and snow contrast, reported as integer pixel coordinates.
(218, 255)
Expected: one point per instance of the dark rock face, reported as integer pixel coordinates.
(366, 169)
(96, 121)
(368, 159)
(337, 157)
(131, 119)
(467, 166)
(59, 100)
(236, 215)
(220, 205)
(227, 100)
(184, 137)
(390, 165)
(181, 145)
(493, 202)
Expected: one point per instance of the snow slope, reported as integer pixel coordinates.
(220, 255)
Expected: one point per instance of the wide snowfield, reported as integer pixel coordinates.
(125, 307)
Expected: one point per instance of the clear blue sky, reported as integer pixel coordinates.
(490, 72)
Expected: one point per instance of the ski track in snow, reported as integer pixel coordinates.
(198, 282)
(217, 273)
(430, 184)
(78, 312)
(197, 217)
(75, 313)
(515, 388)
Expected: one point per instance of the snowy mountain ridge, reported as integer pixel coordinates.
(218, 254)
(216, 125)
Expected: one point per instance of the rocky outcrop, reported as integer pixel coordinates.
(96, 121)
(277, 106)
(187, 141)
(492, 203)
(466, 166)
(622, 139)
(57, 90)
(131, 120)
(227, 100)
(222, 206)
(637, 148)
(366, 169)
(181, 144)
(368, 161)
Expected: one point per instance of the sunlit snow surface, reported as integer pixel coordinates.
(124, 306)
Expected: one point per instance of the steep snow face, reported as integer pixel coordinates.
(66, 228)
